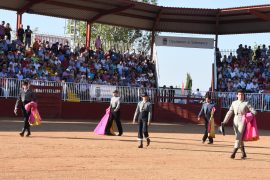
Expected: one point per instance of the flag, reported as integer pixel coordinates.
(183, 88)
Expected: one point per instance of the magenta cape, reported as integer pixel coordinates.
(251, 131)
(34, 118)
(100, 129)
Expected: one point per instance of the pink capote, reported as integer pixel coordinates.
(100, 129)
(251, 132)
(34, 118)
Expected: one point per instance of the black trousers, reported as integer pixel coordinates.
(143, 129)
(205, 136)
(114, 116)
(8, 36)
(21, 38)
(25, 118)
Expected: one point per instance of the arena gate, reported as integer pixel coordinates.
(181, 109)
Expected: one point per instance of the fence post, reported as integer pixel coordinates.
(138, 96)
(64, 90)
(262, 104)
(6, 89)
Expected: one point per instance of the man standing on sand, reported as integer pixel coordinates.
(114, 114)
(206, 111)
(143, 114)
(26, 95)
(239, 108)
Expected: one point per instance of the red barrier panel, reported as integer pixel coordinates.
(163, 112)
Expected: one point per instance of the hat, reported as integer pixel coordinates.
(115, 91)
(144, 94)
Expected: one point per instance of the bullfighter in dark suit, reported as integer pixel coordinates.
(206, 111)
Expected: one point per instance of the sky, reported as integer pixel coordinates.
(173, 62)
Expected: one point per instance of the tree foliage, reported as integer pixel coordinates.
(139, 38)
(188, 85)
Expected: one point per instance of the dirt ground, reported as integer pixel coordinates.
(70, 150)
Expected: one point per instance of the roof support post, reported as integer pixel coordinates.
(88, 34)
(214, 65)
(154, 32)
(152, 45)
(153, 42)
(19, 20)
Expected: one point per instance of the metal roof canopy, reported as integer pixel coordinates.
(252, 19)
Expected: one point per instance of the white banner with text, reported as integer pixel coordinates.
(204, 43)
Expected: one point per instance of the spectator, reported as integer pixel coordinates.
(197, 93)
(20, 33)
(7, 31)
(2, 30)
(57, 62)
(241, 72)
(28, 36)
(98, 43)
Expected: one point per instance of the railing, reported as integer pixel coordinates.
(260, 101)
(79, 92)
(227, 52)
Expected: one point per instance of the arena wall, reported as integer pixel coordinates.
(162, 112)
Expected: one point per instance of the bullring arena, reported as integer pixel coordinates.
(70, 150)
(74, 86)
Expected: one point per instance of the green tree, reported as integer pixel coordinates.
(139, 38)
(188, 85)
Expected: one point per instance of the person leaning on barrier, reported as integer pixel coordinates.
(26, 95)
(239, 108)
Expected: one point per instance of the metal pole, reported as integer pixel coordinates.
(19, 20)
(214, 67)
(74, 32)
(88, 34)
(214, 75)
(213, 78)
(152, 45)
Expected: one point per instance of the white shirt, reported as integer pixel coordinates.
(249, 86)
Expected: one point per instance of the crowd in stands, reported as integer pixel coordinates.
(41, 60)
(248, 69)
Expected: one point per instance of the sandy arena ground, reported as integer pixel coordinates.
(70, 150)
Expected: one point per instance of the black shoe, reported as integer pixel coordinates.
(28, 134)
(244, 155)
(148, 141)
(234, 152)
(120, 134)
(21, 134)
(109, 134)
(203, 141)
